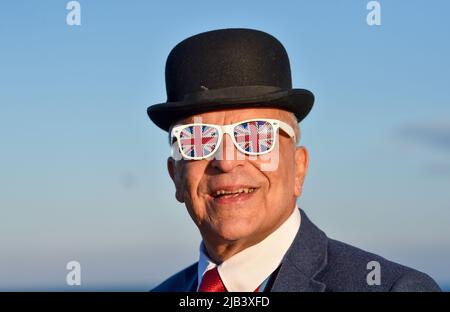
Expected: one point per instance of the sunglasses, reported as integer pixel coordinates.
(252, 137)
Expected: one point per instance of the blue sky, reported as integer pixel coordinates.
(82, 169)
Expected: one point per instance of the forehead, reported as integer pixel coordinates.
(229, 116)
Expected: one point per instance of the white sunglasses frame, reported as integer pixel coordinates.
(228, 129)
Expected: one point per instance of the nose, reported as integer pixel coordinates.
(227, 157)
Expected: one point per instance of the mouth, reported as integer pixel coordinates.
(229, 195)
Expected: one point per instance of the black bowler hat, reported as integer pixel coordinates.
(228, 69)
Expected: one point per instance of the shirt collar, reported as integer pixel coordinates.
(247, 269)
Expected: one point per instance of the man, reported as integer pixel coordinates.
(232, 118)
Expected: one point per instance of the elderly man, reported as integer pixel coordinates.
(232, 118)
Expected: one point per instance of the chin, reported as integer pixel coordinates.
(233, 231)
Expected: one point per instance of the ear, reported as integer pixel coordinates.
(301, 167)
(173, 172)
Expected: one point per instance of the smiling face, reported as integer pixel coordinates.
(234, 201)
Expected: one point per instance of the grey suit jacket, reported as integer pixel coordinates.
(317, 263)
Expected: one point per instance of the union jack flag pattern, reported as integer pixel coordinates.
(254, 136)
(198, 141)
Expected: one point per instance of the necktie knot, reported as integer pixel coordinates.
(211, 282)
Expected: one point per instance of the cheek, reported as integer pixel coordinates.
(190, 178)
(281, 184)
(282, 180)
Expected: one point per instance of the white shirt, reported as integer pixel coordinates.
(247, 269)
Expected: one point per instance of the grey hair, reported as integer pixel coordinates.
(296, 126)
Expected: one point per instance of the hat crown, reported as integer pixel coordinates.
(226, 58)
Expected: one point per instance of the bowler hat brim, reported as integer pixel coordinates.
(297, 101)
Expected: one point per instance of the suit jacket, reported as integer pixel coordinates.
(316, 263)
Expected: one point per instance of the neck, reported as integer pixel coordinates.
(219, 250)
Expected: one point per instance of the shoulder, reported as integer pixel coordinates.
(181, 281)
(352, 269)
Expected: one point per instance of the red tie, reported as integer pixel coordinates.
(211, 282)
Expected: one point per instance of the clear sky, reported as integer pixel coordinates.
(83, 170)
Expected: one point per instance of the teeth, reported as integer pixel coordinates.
(242, 190)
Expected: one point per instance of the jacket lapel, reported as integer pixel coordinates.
(306, 257)
(190, 284)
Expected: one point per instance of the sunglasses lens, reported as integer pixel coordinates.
(198, 140)
(254, 136)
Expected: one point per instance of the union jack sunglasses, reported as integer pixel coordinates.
(252, 137)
